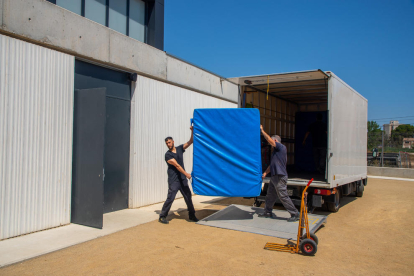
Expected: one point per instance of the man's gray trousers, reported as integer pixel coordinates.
(278, 188)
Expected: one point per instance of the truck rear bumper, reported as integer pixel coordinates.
(316, 184)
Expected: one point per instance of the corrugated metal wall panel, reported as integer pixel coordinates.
(159, 110)
(36, 123)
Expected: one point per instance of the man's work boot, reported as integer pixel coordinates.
(163, 220)
(266, 215)
(192, 217)
(294, 217)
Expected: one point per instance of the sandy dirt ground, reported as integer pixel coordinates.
(371, 235)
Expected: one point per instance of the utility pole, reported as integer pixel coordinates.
(382, 148)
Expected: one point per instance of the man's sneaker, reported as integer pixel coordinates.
(265, 215)
(163, 220)
(193, 218)
(294, 218)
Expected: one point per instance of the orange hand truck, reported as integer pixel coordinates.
(305, 243)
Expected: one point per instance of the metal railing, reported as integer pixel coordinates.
(395, 150)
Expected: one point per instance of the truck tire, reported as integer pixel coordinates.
(308, 247)
(312, 237)
(334, 206)
(360, 190)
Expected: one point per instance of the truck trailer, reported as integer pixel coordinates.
(290, 104)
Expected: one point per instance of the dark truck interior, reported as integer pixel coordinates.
(289, 105)
(306, 153)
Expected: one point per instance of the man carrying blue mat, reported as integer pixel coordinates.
(277, 186)
(177, 178)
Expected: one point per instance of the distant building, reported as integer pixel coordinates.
(408, 143)
(388, 128)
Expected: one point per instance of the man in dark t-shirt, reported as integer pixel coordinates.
(177, 178)
(278, 178)
(318, 130)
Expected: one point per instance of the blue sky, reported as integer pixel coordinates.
(368, 44)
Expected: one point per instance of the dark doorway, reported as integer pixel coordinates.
(116, 155)
(88, 157)
(305, 166)
(117, 129)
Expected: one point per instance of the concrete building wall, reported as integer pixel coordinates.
(36, 124)
(388, 128)
(51, 26)
(408, 143)
(159, 110)
(36, 109)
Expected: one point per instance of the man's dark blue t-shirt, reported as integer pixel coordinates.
(279, 159)
(174, 176)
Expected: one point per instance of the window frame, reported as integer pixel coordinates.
(127, 16)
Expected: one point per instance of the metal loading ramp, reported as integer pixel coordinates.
(246, 219)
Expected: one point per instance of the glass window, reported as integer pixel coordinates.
(95, 10)
(118, 15)
(137, 20)
(72, 5)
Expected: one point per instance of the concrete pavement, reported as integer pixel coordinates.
(28, 246)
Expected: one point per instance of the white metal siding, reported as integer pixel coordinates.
(36, 110)
(347, 134)
(159, 110)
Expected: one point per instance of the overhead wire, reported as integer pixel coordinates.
(392, 118)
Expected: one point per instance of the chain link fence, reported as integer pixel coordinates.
(395, 150)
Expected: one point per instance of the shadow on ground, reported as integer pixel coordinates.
(217, 205)
(182, 213)
(249, 202)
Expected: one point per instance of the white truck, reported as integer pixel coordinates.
(289, 104)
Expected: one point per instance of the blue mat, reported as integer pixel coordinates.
(227, 154)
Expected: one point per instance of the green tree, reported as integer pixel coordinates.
(404, 130)
(373, 127)
(398, 135)
(374, 135)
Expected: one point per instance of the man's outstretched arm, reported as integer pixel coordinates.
(173, 162)
(266, 172)
(267, 137)
(186, 145)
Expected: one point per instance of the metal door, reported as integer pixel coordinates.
(117, 130)
(116, 154)
(88, 157)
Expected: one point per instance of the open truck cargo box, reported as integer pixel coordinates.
(227, 155)
(287, 103)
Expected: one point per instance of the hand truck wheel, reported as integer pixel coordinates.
(312, 237)
(308, 247)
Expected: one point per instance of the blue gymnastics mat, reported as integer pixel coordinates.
(227, 154)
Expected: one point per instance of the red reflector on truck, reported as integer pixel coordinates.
(322, 192)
